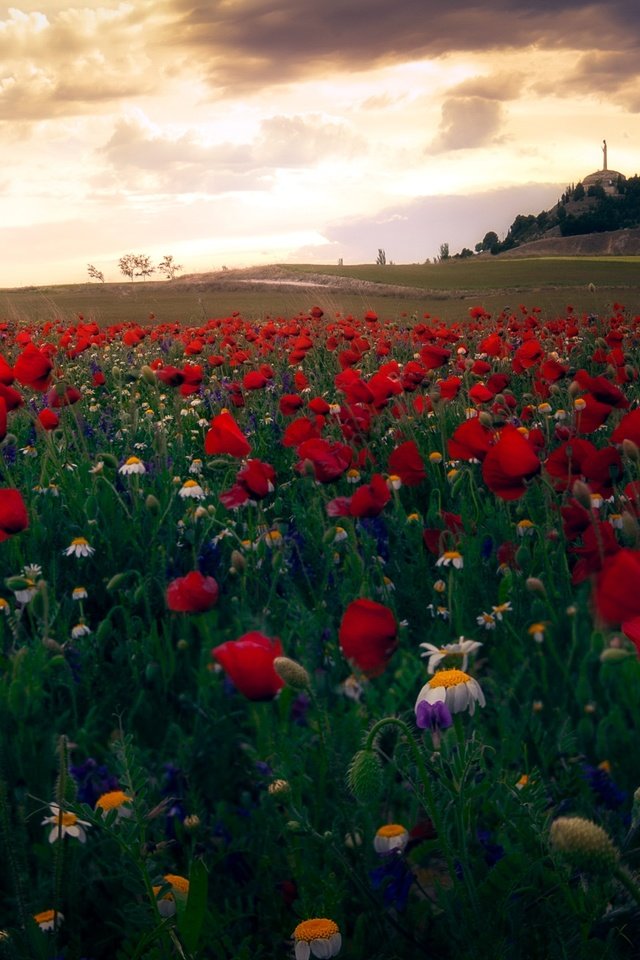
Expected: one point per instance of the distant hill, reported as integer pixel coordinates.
(610, 243)
(599, 216)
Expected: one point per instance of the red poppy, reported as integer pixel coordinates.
(616, 596)
(328, 460)
(593, 414)
(434, 357)
(48, 420)
(3, 418)
(248, 662)
(289, 403)
(368, 636)
(628, 428)
(565, 463)
(63, 396)
(193, 593)
(13, 513)
(6, 372)
(368, 500)
(631, 630)
(225, 436)
(254, 380)
(598, 542)
(33, 368)
(471, 440)
(300, 430)
(602, 389)
(254, 481)
(406, 462)
(508, 464)
(12, 398)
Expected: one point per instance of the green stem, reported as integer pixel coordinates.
(625, 878)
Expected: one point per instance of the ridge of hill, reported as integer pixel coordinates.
(610, 243)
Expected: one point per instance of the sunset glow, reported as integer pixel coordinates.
(244, 132)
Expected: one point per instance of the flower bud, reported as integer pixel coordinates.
(584, 844)
(292, 672)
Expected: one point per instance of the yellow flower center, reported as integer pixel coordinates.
(391, 830)
(130, 461)
(79, 542)
(45, 916)
(112, 800)
(179, 884)
(449, 678)
(66, 819)
(317, 929)
(190, 483)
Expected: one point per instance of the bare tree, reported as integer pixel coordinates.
(94, 273)
(144, 267)
(127, 265)
(169, 267)
(381, 259)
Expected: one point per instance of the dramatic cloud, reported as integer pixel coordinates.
(243, 129)
(467, 122)
(275, 40)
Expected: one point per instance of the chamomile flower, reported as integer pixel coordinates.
(191, 489)
(79, 547)
(179, 889)
(525, 528)
(48, 920)
(79, 593)
(318, 937)
(462, 648)
(390, 838)
(451, 558)
(455, 688)
(64, 823)
(195, 466)
(501, 609)
(486, 620)
(115, 800)
(80, 630)
(4, 607)
(536, 630)
(132, 465)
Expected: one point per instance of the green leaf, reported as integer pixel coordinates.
(190, 923)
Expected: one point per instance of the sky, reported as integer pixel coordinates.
(243, 132)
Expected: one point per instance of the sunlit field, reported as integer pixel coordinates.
(320, 623)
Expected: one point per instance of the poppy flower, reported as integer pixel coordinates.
(33, 368)
(254, 481)
(369, 500)
(13, 513)
(290, 403)
(470, 440)
(591, 413)
(598, 542)
(628, 428)
(225, 436)
(508, 464)
(193, 593)
(368, 635)
(328, 460)
(48, 420)
(616, 593)
(565, 463)
(406, 462)
(6, 372)
(300, 430)
(248, 662)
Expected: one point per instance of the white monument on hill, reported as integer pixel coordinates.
(605, 178)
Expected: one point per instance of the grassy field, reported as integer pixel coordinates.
(449, 289)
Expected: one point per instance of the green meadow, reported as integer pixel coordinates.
(444, 290)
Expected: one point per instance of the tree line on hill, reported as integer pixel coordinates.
(134, 265)
(577, 212)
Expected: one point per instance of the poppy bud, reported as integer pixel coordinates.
(293, 673)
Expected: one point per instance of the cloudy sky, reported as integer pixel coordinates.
(238, 132)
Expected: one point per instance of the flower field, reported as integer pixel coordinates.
(320, 637)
